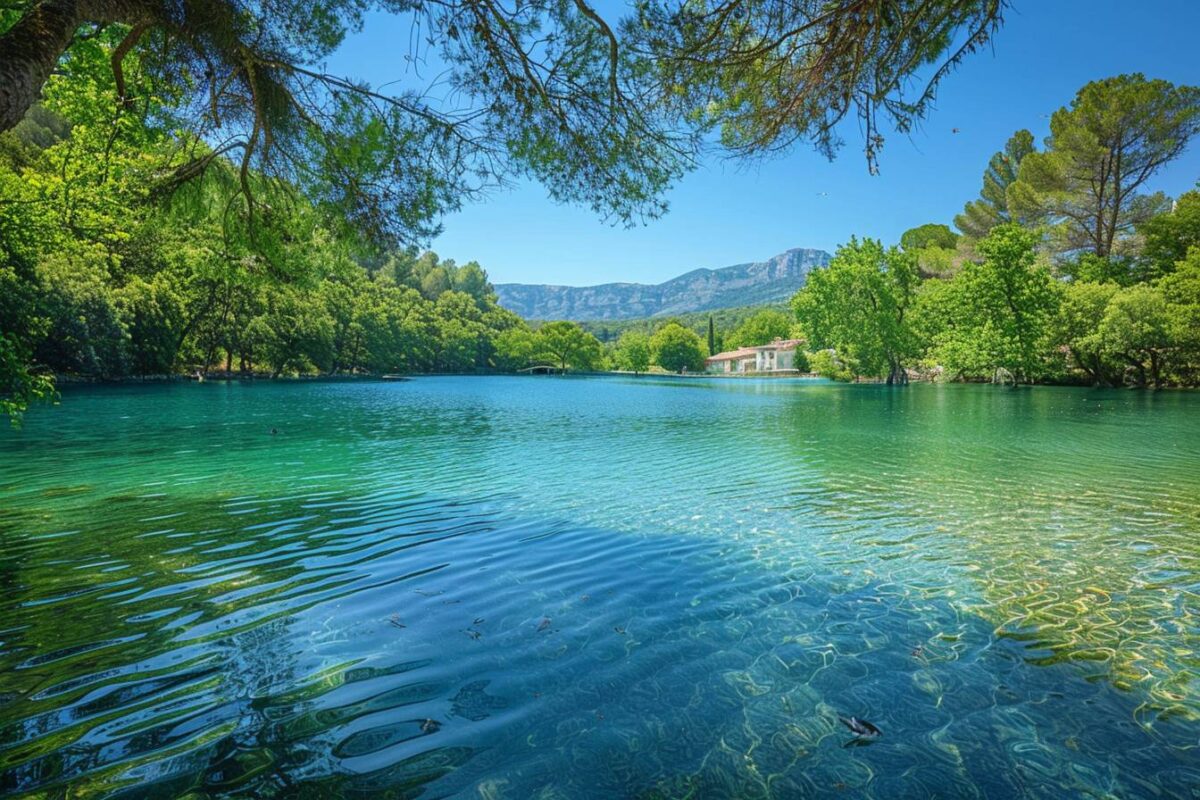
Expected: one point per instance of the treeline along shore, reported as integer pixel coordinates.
(118, 262)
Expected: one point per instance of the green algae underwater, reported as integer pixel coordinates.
(574, 588)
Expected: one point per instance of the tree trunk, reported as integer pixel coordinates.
(30, 49)
(1138, 365)
(897, 375)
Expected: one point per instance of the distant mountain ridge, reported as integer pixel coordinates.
(755, 283)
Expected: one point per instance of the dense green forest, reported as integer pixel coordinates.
(186, 186)
(1065, 269)
(184, 194)
(102, 278)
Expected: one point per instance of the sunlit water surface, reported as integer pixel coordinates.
(561, 588)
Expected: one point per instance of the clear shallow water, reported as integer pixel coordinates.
(521, 587)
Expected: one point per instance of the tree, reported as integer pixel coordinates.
(858, 306)
(19, 386)
(1091, 268)
(764, 327)
(569, 345)
(930, 234)
(1168, 237)
(633, 351)
(1075, 328)
(1136, 328)
(999, 310)
(1116, 135)
(934, 247)
(217, 118)
(606, 114)
(768, 74)
(992, 208)
(1181, 290)
(514, 348)
(152, 313)
(676, 348)
(712, 336)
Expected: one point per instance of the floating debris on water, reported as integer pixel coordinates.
(394, 619)
(430, 726)
(545, 623)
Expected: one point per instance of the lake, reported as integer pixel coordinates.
(575, 588)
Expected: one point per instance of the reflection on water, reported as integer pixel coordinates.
(514, 588)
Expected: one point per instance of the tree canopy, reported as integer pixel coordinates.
(606, 113)
(762, 328)
(567, 345)
(676, 348)
(633, 352)
(1000, 309)
(1116, 135)
(992, 208)
(858, 305)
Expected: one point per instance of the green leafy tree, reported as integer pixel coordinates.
(934, 247)
(632, 353)
(19, 386)
(470, 279)
(1075, 328)
(152, 314)
(999, 310)
(859, 306)
(1091, 268)
(764, 327)
(929, 235)
(1137, 329)
(1168, 237)
(570, 346)
(827, 364)
(1116, 135)
(676, 348)
(1181, 290)
(992, 208)
(515, 348)
(606, 113)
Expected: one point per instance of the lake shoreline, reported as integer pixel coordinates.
(67, 380)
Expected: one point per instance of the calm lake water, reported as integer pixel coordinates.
(577, 588)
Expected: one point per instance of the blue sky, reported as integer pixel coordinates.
(726, 213)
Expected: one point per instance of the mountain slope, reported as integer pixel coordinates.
(756, 283)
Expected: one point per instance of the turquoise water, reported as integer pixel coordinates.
(576, 588)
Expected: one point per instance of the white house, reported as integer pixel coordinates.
(741, 360)
(778, 356)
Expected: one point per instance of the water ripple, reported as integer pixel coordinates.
(516, 588)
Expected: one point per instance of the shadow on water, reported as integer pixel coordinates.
(450, 588)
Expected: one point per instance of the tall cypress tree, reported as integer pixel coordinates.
(712, 337)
